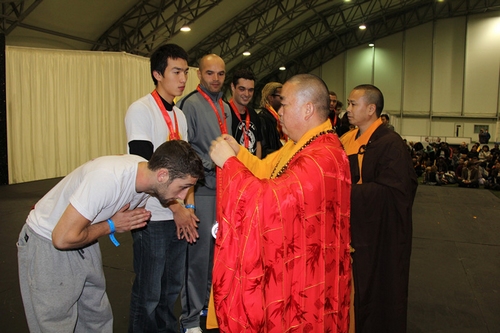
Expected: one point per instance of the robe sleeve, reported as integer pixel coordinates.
(282, 250)
(261, 168)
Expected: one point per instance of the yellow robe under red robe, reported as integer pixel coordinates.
(282, 260)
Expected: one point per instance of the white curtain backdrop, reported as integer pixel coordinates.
(67, 107)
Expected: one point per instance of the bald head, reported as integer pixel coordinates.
(212, 72)
(304, 105)
(209, 59)
(311, 88)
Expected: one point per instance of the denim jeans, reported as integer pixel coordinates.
(159, 265)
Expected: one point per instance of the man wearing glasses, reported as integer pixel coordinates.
(272, 135)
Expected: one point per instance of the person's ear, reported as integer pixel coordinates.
(162, 175)
(309, 110)
(372, 108)
(157, 75)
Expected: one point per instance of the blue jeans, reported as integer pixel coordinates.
(159, 261)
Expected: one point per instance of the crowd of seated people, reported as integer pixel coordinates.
(440, 164)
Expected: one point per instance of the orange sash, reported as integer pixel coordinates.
(357, 146)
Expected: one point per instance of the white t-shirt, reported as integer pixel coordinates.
(97, 189)
(144, 121)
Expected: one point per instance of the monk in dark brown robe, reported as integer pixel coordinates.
(383, 188)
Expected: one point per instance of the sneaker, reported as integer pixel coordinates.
(204, 312)
(193, 330)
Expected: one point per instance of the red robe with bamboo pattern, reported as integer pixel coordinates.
(282, 261)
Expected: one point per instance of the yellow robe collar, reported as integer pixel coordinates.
(290, 148)
(356, 146)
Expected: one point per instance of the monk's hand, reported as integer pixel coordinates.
(125, 219)
(220, 151)
(232, 142)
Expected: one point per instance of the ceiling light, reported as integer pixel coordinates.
(282, 68)
(185, 28)
(371, 45)
(362, 27)
(246, 53)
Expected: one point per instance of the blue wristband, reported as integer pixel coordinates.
(112, 234)
(190, 206)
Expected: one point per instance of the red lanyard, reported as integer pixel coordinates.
(334, 121)
(247, 122)
(222, 124)
(218, 175)
(278, 124)
(173, 133)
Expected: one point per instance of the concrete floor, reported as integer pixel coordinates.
(455, 268)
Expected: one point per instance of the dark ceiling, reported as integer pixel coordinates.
(298, 34)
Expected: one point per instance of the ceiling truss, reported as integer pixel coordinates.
(311, 44)
(13, 14)
(298, 34)
(150, 24)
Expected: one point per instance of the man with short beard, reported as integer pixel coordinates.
(60, 265)
(246, 123)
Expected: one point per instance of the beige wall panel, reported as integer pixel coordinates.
(414, 126)
(417, 69)
(442, 128)
(482, 65)
(388, 71)
(469, 129)
(332, 73)
(446, 127)
(448, 67)
(359, 67)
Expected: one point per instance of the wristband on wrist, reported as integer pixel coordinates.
(112, 232)
(190, 206)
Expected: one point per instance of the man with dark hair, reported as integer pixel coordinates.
(270, 102)
(282, 260)
(343, 126)
(470, 175)
(246, 123)
(60, 265)
(386, 120)
(384, 183)
(334, 112)
(160, 248)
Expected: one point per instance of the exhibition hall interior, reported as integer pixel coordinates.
(72, 68)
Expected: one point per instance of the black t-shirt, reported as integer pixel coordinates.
(253, 132)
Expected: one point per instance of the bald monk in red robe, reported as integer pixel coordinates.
(282, 261)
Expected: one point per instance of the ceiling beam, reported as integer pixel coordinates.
(385, 18)
(13, 14)
(146, 26)
(251, 27)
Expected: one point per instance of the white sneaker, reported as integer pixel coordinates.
(193, 330)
